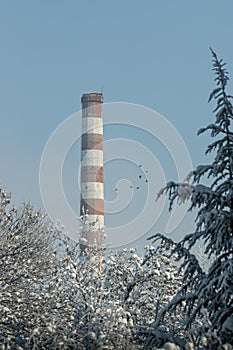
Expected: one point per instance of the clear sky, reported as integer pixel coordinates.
(153, 53)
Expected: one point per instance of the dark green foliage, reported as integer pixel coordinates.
(213, 290)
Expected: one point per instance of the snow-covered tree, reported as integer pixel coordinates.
(51, 297)
(211, 289)
(111, 304)
(27, 265)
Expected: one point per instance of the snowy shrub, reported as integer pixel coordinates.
(53, 297)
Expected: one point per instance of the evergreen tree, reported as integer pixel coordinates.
(211, 290)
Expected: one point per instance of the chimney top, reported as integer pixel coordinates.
(92, 97)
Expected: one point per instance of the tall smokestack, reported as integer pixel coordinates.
(92, 174)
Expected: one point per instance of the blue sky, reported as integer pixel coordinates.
(152, 53)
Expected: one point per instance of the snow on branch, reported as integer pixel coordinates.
(176, 191)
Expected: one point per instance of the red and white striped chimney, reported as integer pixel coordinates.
(92, 174)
